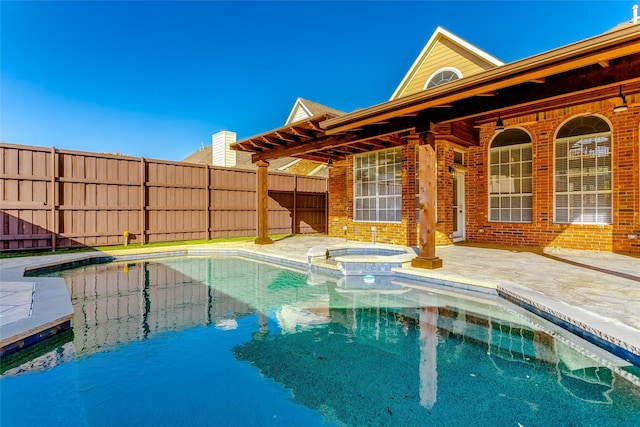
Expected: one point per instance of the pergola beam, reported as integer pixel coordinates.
(307, 133)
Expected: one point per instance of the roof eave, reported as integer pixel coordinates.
(603, 47)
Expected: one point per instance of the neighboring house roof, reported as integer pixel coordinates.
(444, 50)
(203, 156)
(303, 109)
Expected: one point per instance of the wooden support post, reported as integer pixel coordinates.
(427, 176)
(263, 204)
(326, 205)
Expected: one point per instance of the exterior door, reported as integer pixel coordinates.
(458, 206)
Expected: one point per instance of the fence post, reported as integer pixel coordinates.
(54, 198)
(208, 202)
(143, 202)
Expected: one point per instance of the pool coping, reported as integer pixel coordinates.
(51, 313)
(52, 309)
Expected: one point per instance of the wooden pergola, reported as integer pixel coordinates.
(595, 69)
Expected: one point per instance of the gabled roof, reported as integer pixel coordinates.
(203, 155)
(591, 70)
(444, 50)
(530, 85)
(303, 109)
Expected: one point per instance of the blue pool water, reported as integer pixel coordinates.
(226, 341)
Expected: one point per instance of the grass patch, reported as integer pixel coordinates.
(38, 252)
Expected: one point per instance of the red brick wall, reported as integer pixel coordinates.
(341, 205)
(541, 231)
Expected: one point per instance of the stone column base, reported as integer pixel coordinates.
(428, 263)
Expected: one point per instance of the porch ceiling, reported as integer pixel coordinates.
(587, 71)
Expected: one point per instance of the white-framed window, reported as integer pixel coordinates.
(582, 193)
(442, 76)
(378, 186)
(510, 177)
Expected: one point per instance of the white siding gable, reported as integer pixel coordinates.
(298, 112)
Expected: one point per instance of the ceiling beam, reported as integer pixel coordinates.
(287, 136)
(299, 131)
(271, 140)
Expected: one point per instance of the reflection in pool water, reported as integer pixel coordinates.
(204, 341)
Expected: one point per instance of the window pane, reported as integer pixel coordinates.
(562, 201)
(562, 215)
(504, 156)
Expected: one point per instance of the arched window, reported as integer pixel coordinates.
(443, 75)
(583, 172)
(510, 177)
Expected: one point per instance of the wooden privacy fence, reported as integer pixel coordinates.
(59, 198)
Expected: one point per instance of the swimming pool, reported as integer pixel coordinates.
(228, 341)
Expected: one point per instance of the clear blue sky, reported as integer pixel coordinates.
(155, 79)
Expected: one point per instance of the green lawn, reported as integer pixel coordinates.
(37, 252)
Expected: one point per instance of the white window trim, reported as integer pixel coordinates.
(440, 70)
(354, 189)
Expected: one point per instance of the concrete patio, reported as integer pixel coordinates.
(594, 294)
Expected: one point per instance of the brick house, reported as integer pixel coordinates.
(541, 152)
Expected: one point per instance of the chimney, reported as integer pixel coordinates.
(634, 8)
(222, 155)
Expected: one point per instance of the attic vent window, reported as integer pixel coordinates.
(443, 76)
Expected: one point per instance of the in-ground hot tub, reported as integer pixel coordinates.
(360, 260)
